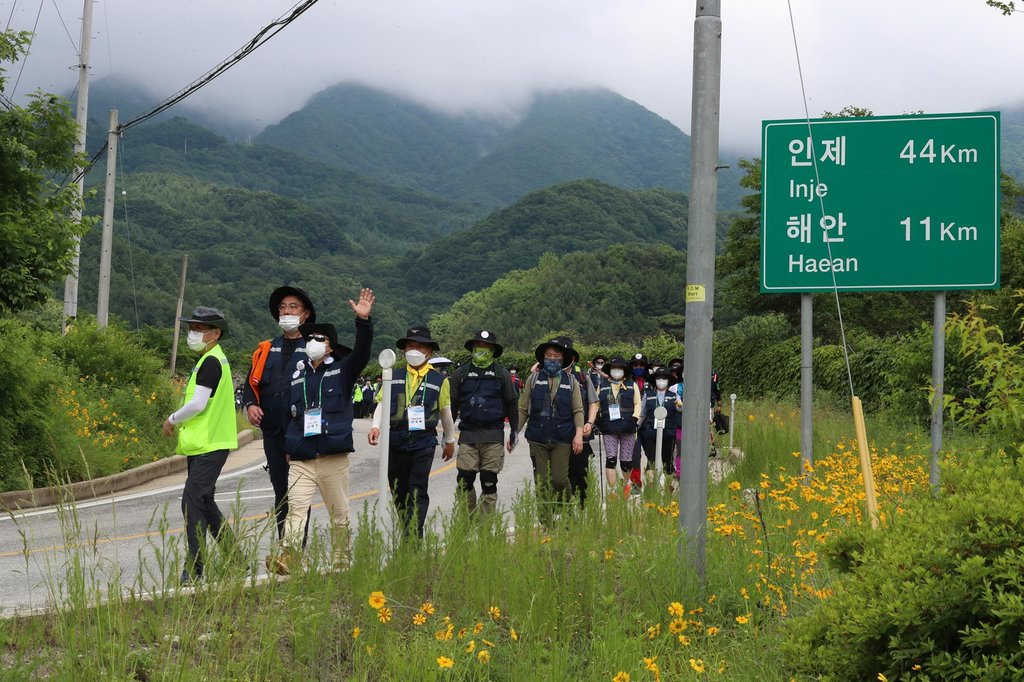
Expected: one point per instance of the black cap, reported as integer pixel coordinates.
(208, 316)
(484, 336)
(418, 335)
(337, 350)
(617, 361)
(278, 294)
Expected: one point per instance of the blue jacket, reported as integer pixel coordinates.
(330, 387)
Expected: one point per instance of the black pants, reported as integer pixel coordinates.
(408, 474)
(198, 505)
(578, 467)
(668, 450)
(277, 467)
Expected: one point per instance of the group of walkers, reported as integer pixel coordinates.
(304, 389)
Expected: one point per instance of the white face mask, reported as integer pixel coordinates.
(195, 340)
(662, 384)
(415, 358)
(617, 373)
(289, 323)
(315, 349)
(598, 366)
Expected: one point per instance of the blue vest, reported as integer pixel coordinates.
(275, 388)
(481, 402)
(625, 423)
(427, 394)
(672, 420)
(335, 401)
(551, 421)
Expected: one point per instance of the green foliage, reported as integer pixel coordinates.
(36, 233)
(949, 608)
(80, 406)
(994, 401)
(615, 295)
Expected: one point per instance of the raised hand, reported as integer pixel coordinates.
(365, 305)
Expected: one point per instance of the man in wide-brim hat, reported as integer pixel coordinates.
(551, 407)
(420, 400)
(266, 394)
(319, 438)
(206, 434)
(483, 397)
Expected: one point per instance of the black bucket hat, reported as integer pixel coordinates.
(617, 361)
(599, 357)
(337, 350)
(676, 361)
(278, 294)
(208, 316)
(562, 344)
(484, 336)
(662, 373)
(418, 335)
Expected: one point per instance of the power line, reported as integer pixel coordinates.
(28, 51)
(265, 34)
(73, 46)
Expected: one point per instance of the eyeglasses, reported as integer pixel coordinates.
(317, 337)
(293, 307)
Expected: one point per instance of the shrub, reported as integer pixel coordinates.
(948, 608)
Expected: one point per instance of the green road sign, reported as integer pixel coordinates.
(880, 203)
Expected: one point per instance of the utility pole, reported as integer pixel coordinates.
(700, 279)
(807, 380)
(103, 292)
(177, 314)
(82, 119)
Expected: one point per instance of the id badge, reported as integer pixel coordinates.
(313, 424)
(417, 418)
(614, 412)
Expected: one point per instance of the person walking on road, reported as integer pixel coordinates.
(420, 399)
(318, 440)
(206, 431)
(657, 394)
(267, 393)
(551, 407)
(619, 414)
(483, 397)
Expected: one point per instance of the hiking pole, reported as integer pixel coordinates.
(600, 465)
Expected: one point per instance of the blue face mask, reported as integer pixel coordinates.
(552, 367)
(638, 372)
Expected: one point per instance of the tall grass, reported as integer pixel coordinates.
(603, 593)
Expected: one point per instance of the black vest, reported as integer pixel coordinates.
(481, 402)
(672, 420)
(551, 421)
(625, 423)
(335, 419)
(427, 394)
(275, 385)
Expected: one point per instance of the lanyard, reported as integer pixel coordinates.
(319, 390)
(422, 388)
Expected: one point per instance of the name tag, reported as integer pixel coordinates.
(614, 412)
(417, 418)
(313, 425)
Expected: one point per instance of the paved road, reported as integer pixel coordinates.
(119, 539)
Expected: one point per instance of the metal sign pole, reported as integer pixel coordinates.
(732, 418)
(938, 364)
(387, 362)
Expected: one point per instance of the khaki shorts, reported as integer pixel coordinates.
(481, 457)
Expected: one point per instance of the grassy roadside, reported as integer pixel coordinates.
(601, 595)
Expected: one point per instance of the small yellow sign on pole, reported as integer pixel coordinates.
(695, 293)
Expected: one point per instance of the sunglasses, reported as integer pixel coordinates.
(317, 337)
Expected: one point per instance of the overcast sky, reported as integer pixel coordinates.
(892, 56)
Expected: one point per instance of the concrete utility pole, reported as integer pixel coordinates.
(82, 119)
(700, 278)
(103, 292)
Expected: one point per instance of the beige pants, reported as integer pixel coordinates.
(487, 460)
(329, 475)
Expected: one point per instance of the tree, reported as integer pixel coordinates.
(36, 148)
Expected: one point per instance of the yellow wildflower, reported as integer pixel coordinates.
(377, 600)
(513, 634)
(471, 647)
(419, 619)
(355, 633)
(608, 554)
(622, 676)
(743, 620)
(675, 609)
(484, 656)
(478, 628)
(384, 614)
(735, 485)
(712, 631)
(427, 608)
(677, 625)
(697, 664)
(684, 640)
(444, 662)
(495, 612)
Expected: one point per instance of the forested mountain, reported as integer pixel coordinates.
(625, 292)
(562, 136)
(584, 215)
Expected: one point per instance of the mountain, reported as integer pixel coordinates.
(583, 215)
(562, 136)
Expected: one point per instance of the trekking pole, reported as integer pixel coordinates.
(600, 464)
